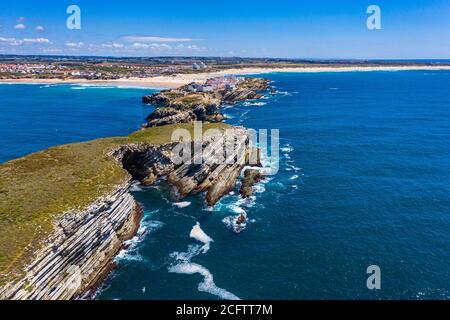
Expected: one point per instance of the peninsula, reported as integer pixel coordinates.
(67, 211)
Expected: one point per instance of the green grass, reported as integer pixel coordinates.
(38, 188)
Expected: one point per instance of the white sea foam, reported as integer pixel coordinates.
(256, 104)
(207, 285)
(183, 265)
(198, 234)
(94, 86)
(287, 148)
(229, 221)
(131, 253)
(182, 204)
(136, 186)
(259, 188)
(135, 87)
(184, 257)
(242, 202)
(232, 223)
(236, 209)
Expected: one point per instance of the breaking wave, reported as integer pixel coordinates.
(248, 103)
(183, 264)
(182, 204)
(198, 234)
(131, 251)
(136, 186)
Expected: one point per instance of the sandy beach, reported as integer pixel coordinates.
(165, 82)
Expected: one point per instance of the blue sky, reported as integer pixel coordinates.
(414, 29)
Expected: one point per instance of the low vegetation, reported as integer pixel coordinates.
(38, 188)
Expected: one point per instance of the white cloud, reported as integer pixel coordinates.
(37, 40)
(155, 39)
(74, 44)
(113, 45)
(10, 41)
(191, 47)
(40, 28)
(18, 42)
(153, 46)
(51, 50)
(19, 26)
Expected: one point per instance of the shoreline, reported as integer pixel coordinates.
(98, 213)
(177, 80)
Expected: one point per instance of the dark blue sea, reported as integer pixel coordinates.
(364, 180)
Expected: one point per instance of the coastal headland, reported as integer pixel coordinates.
(67, 211)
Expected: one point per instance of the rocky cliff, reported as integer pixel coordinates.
(67, 211)
(80, 251)
(211, 175)
(201, 102)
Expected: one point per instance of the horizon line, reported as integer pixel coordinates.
(222, 57)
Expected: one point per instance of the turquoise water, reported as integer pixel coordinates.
(364, 179)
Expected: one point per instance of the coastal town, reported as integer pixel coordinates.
(111, 68)
(101, 71)
(93, 68)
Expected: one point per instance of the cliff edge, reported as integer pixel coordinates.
(65, 212)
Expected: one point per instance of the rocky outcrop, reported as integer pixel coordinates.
(182, 105)
(164, 116)
(249, 89)
(210, 175)
(80, 251)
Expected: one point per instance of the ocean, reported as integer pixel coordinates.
(364, 180)
(36, 116)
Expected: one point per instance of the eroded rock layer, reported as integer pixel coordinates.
(213, 169)
(80, 251)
